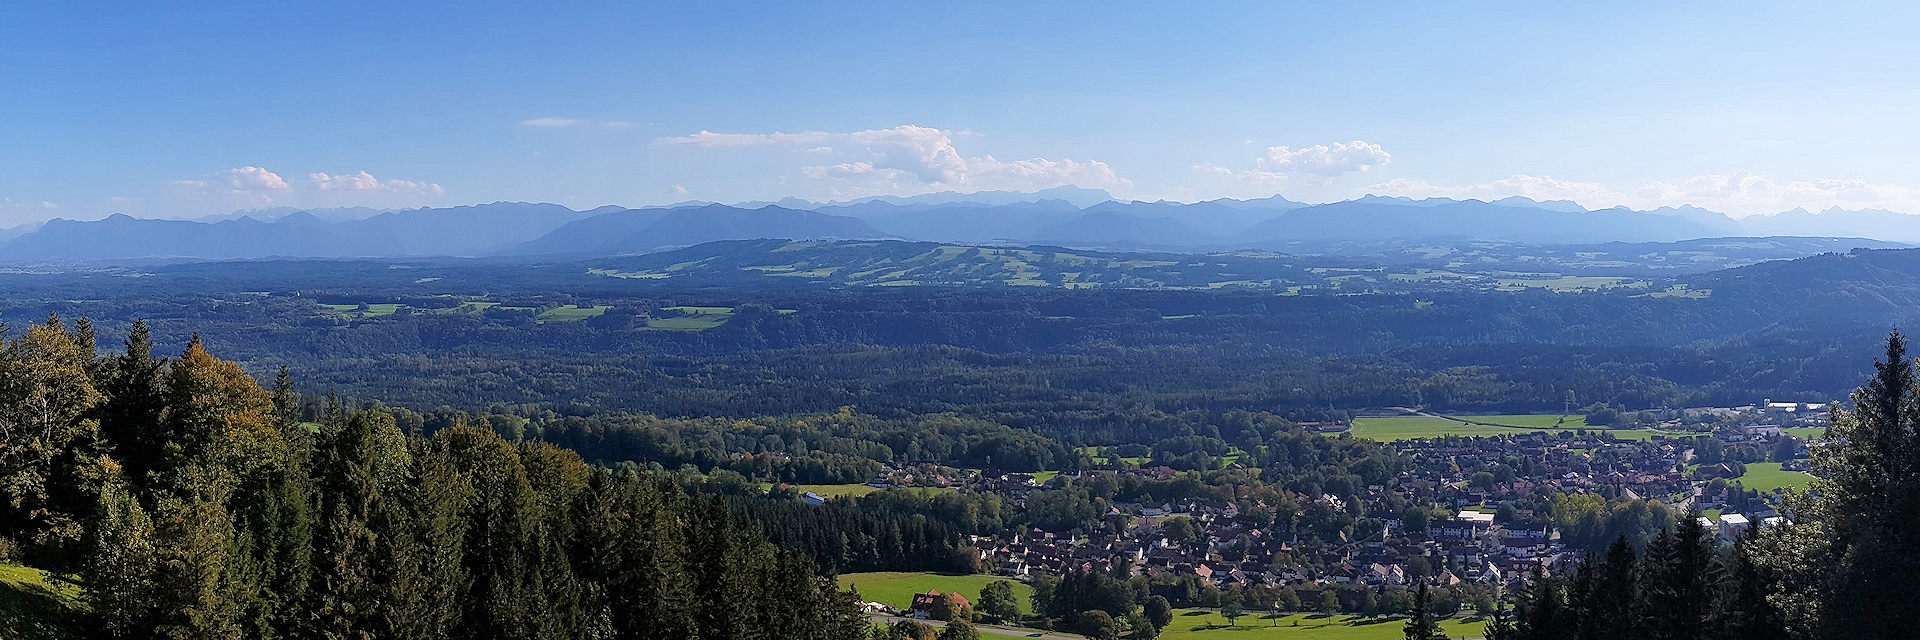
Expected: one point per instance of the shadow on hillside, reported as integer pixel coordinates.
(36, 611)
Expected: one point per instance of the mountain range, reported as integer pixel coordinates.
(1066, 217)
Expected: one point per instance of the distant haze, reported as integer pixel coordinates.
(1066, 217)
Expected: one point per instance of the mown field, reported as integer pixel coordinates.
(896, 589)
(1767, 476)
(830, 490)
(571, 313)
(1190, 624)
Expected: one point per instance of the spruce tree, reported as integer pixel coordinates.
(1421, 625)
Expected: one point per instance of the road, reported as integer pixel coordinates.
(1011, 631)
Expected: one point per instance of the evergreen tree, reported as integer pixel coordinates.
(1740, 609)
(134, 385)
(119, 568)
(1500, 625)
(1606, 606)
(1543, 614)
(1845, 569)
(1674, 592)
(1421, 625)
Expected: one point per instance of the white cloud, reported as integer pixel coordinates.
(558, 123)
(710, 139)
(1317, 164)
(1331, 161)
(364, 181)
(238, 180)
(910, 159)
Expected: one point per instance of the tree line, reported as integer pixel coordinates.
(191, 502)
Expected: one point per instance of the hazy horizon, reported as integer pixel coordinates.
(1641, 105)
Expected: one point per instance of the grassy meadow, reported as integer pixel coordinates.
(1767, 476)
(34, 606)
(571, 313)
(896, 589)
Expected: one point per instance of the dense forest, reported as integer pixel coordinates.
(193, 503)
(1087, 366)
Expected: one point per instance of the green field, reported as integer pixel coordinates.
(830, 490)
(692, 318)
(1805, 433)
(33, 606)
(1410, 427)
(571, 313)
(1191, 624)
(896, 589)
(374, 310)
(1767, 476)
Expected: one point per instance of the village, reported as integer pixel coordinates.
(1487, 532)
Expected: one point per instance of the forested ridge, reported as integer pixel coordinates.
(190, 502)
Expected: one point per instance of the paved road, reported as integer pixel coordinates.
(1012, 631)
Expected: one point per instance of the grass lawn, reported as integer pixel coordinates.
(35, 607)
(571, 313)
(1191, 624)
(896, 589)
(1767, 476)
(1044, 477)
(1805, 433)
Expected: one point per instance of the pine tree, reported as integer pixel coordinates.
(1500, 625)
(1740, 609)
(1606, 606)
(1543, 614)
(1421, 625)
(1673, 595)
(130, 417)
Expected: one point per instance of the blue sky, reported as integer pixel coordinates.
(187, 111)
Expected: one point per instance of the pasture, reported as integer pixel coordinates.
(1195, 624)
(896, 589)
(1767, 476)
(829, 490)
(373, 310)
(571, 313)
